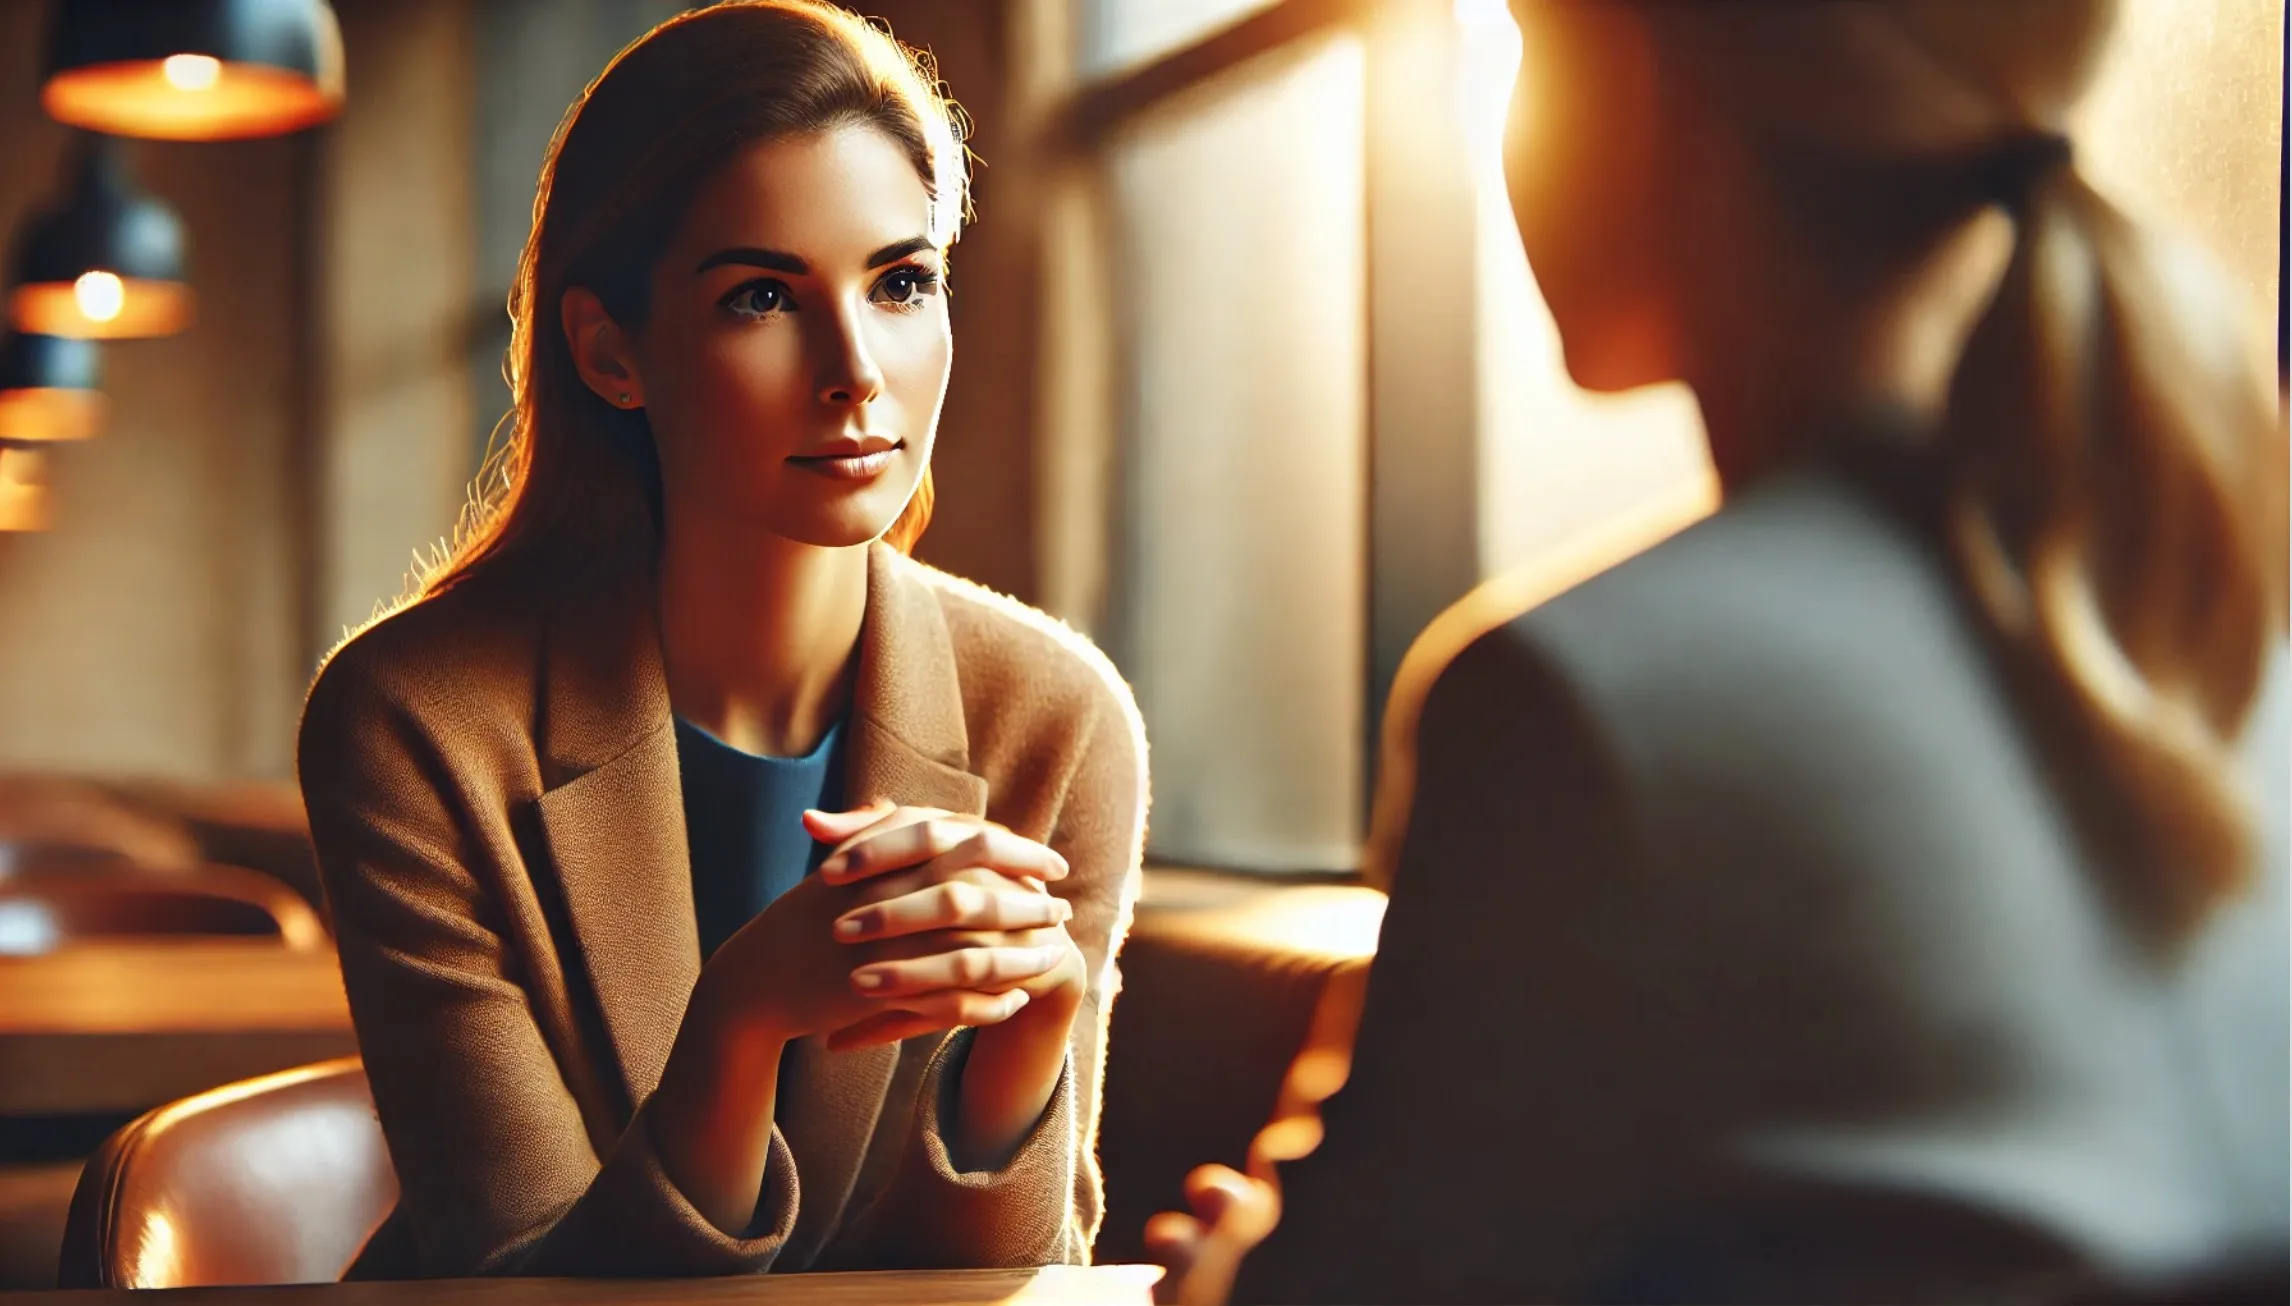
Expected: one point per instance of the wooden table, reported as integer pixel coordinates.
(124, 1026)
(1057, 1285)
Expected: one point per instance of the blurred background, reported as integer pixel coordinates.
(1252, 382)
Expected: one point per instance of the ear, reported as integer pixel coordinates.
(602, 352)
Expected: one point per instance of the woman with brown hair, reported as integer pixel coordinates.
(1877, 891)
(719, 890)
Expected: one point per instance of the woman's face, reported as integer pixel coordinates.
(797, 346)
(1580, 161)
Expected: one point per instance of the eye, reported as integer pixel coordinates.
(907, 287)
(759, 299)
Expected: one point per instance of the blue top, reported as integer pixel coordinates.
(744, 824)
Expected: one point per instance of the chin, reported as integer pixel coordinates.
(856, 520)
(830, 534)
(1611, 354)
(1595, 371)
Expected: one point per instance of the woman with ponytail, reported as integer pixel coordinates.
(718, 889)
(1877, 891)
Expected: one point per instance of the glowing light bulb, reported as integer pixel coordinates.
(191, 72)
(100, 295)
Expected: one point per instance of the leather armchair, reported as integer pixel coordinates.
(274, 1180)
(46, 905)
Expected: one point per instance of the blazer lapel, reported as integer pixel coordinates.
(614, 820)
(908, 740)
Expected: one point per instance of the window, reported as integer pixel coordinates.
(1119, 36)
(1237, 242)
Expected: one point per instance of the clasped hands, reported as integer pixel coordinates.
(919, 920)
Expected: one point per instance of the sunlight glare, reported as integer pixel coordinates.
(1490, 52)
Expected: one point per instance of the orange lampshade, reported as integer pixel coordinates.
(23, 490)
(193, 70)
(140, 99)
(121, 308)
(48, 390)
(46, 416)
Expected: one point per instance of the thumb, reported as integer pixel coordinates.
(1173, 1240)
(1213, 1191)
(1232, 1204)
(834, 827)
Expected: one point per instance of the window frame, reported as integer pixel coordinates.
(1423, 429)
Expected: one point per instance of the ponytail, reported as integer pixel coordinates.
(2117, 514)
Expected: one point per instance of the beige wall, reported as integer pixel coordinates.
(2182, 127)
(394, 305)
(152, 628)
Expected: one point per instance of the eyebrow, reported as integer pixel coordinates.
(782, 261)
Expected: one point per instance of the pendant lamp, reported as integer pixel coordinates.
(23, 489)
(106, 263)
(48, 389)
(193, 70)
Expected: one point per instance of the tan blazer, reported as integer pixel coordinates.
(492, 783)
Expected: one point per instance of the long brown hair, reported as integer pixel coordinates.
(2116, 478)
(576, 473)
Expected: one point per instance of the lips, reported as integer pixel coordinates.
(851, 460)
(850, 447)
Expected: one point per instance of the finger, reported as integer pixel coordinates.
(994, 848)
(1212, 1191)
(987, 969)
(934, 942)
(956, 905)
(835, 827)
(1173, 1239)
(928, 1013)
(1236, 1208)
(897, 842)
(876, 818)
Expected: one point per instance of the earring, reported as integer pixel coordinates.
(624, 398)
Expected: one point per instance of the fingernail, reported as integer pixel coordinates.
(1065, 910)
(835, 865)
(1018, 998)
(871, 980)
(850, 927)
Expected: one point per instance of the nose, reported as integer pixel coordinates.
(851, 377)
